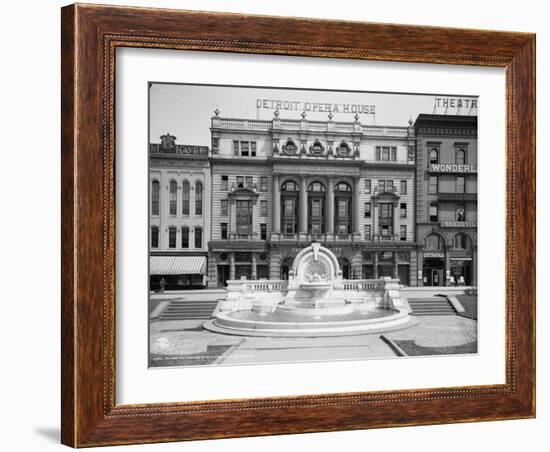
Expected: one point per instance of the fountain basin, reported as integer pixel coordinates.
(281, 324)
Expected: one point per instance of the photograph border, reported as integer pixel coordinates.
(90, 36)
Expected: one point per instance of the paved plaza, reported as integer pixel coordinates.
(187, 343)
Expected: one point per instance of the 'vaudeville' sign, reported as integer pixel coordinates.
(294, 105)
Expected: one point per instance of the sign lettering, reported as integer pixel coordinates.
(321, 107)
(452, 168)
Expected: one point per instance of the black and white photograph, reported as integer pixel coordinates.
(292, 225)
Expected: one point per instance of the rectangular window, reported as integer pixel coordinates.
(389, 185)
(393, 153)
(403, 232)
(342, 208)
(386, 210)
(263, 208)
(460, 184)
(185, 237)
(240, 181)
(198, 237)
(289, 228)
(289, 207)
(263, 231)
(154, 237)
(377, 152)
(367, 209)
(224, 230)
(367, 185)
(244, 217)
(433, 212)
(367, 232)
(244, 148)
(235, 147)
(381, 186)
(225, 183)
(253, 149)
(171, 237)
(249, 181)
(224, 207)
(316, 208)
(386, 230)
(403, 210)
(385, 154)
(263, 183)
(432, 187)
(403, 187)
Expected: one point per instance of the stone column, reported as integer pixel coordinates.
(375, 230)
(375, 264)
(303, 205)
(473, 267)
(274, 265)
(356, 205)
(276, 205)
(330, 206)
(254, 269)
(447, 264)
(231, 266)
(395, 265)
(232, 216)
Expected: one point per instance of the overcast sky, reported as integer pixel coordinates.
(185, 110)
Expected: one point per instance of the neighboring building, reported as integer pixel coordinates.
(446, 203)
(279, 184)
(179, 214)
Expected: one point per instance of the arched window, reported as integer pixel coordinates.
(198, 198)
(460, 157)
(433, 242)
(434, 156)
(462, 242)
(342, 187)
(155, 197)
(290, 186)
(316, 186)
(185, 198)
(173, 198)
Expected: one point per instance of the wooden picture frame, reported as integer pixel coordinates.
(90, 36)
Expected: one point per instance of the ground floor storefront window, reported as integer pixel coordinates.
(176, 282)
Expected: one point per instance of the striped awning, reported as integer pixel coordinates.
(177, 265)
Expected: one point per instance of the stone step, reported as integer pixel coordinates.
(431, 306)
(188, 310)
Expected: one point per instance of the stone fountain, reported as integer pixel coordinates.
(316, 301)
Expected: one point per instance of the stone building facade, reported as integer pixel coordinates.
(179, 214)
(279, 184)
(446, 201)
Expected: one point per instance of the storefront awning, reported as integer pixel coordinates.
(177, 265)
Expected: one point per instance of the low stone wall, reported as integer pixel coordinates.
(248, 295)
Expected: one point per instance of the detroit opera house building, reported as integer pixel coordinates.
(387, 201)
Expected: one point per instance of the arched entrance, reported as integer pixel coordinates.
(345, 266)
(433, 268)
(286, 265)
(461, 260)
